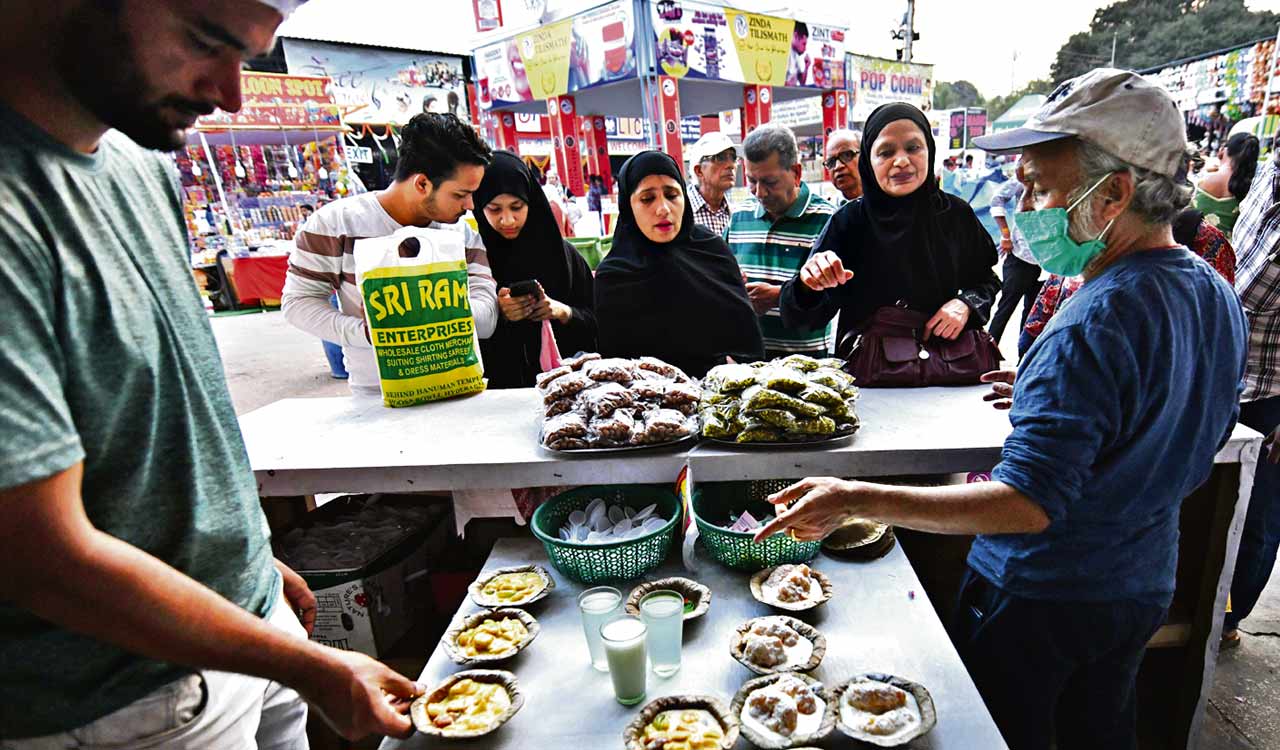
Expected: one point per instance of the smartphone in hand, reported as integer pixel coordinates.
(526, 288)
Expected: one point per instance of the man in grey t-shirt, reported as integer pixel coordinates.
(140, 605)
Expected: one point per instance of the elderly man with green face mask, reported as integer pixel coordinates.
(1117, 412)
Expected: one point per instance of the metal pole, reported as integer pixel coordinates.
(1114, 34)
(1266, 95)
(911, 28)
(646, 70)
(217, 180)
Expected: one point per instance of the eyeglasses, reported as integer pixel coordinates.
(843, 157)
(724, 157)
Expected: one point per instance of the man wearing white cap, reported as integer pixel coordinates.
(1117, 411)
(714, 161)
(140, 606)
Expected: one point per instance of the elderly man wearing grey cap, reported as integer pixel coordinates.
(713, 159)
(140, 605)
(1117, 412)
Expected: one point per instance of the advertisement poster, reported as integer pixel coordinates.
(955, 132)
(698, 40)
(875, 81)
(381, 86)
(274, 101)
(560, 58)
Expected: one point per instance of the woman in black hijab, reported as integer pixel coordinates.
(524, 244)
(904, 241)
(669, 288)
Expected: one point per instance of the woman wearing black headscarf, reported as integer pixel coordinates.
(905, 241)
(524, 244)
(669, 288)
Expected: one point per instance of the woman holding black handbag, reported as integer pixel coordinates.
(907, 266)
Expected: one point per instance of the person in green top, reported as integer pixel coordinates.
(772, 237)
(140, 605)
(1219, 194)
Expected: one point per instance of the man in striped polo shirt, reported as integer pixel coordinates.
(772, 237)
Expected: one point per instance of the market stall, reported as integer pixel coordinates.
(656, 61)
(914, 645)
(302, 446)
(1217, 89)
(250, 177)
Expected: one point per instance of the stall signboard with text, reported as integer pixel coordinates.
(380, 86)
(271, 101)
(705, 41)
(559, 58)
(875, 81)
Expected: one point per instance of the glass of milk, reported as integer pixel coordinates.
(623, 639)
(663, 615)
(598, 606)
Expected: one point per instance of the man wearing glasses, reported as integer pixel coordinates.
(714, 161)
(843, 147)
(772, 236)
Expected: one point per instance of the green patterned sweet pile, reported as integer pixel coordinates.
(789, 400)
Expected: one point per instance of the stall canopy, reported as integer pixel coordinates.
(276, 109)
(600, 55)
(1015, 116)
(381, 86)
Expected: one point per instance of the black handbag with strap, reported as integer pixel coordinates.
(890, 351)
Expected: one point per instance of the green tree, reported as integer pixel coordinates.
(1151, 32)
(959, 94)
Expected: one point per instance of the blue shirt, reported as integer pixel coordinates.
(1003, 205)
(1118, 411)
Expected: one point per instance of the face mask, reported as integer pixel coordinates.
(1048, 237)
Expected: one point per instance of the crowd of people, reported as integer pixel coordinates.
(167, 622)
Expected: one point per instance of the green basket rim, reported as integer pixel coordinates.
(703, 523)
(558, 542)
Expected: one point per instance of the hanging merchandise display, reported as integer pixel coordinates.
(1234, 82)
(248, 176)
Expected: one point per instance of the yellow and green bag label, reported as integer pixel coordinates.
(422, 331)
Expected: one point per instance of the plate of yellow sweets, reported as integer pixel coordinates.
(490, 636)
(467, 704)
(516, 586)
(682, 722)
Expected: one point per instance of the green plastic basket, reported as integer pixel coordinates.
(713, 502)
(617, 561)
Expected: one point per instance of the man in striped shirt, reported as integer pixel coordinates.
(441, 163)
(1257, 241)
(772, 237)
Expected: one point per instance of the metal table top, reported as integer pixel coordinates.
(873, 623)
(490, 441)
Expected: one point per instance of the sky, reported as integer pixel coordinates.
(972, 40)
